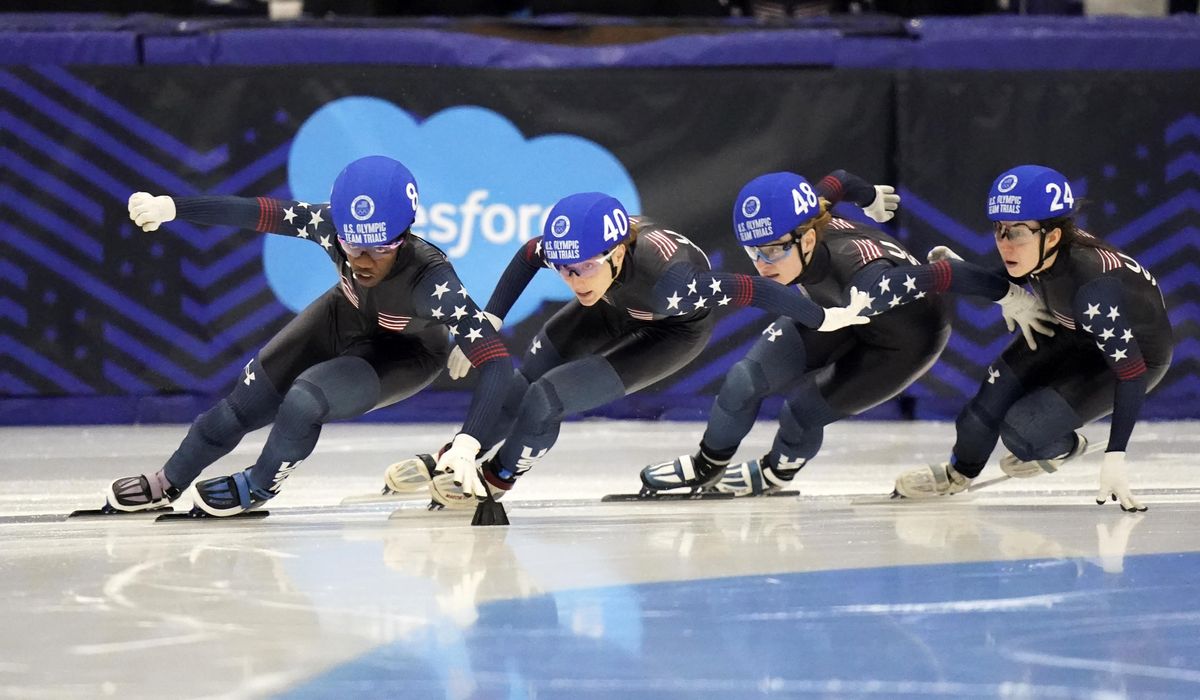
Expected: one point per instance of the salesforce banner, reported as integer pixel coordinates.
(103, 322)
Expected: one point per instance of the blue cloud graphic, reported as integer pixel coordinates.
(485, 189)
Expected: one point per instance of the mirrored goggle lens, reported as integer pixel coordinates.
(586, 268)
(1015, 233)
(375, 251)
(769, 253)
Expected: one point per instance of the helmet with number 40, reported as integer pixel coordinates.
(583, 226)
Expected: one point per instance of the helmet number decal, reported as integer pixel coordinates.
(616, 225)
(1062, 196)
(411, 191)
(803, 198)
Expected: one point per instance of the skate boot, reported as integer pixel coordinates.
(409, 475)
(933, 480)
(693, 472)
(448, 494)
(1018, 469)
(756, 477)
(224, 496)
(130, 494)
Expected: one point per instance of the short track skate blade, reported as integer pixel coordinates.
(107, 511)
(372, 498)
(201, 515)
(658, 496)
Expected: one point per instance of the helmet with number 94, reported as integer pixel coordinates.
(583, 226)
(1030, 193)
(374, 201)
(771, 206)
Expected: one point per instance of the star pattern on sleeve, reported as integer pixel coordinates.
(1111, 331)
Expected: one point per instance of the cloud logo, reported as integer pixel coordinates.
(559, 228)
(1006, 184)
(751, 206)
(485, 190)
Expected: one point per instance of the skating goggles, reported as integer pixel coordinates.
(1014, 233)
(377, 252)
(771, 252)
(587, 268)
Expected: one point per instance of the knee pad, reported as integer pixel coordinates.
(303, 406)
(541, 407)
(744, 384)
(1037, 426)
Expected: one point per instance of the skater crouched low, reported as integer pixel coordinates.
(377, 337)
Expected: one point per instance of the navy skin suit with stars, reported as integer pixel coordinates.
(352, 350)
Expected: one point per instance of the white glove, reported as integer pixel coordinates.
(848, 315)
(884, 206)
(1114, 484)
(460, 459)
(458, 363)
(1020, 308)
(149, 211)
(941, 252)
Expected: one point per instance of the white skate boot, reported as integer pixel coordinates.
(930, 481)
(1017, 469)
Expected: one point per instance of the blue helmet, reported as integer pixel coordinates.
(374, 201)
(583, 226)
(1030, 193)
(771, 205)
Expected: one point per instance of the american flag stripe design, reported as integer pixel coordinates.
(490, 349)
(393, 323)
(666, 247)
(867, 250)
(348, 290)
(1130, 368)
(1108, 260)
(743, 292)
(641, 315)
(832, 185)
(942, 274)
(1065, 321)
(268, 214)
(840, 223)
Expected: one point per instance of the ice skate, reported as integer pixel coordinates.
(448, 494)
(1018, 469)
(409, 475)
(752, 478)
(685, 471)
(225, 496)
(131, 494)
(933, 480)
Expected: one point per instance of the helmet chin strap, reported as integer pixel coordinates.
(1043, 253)
(804, 259)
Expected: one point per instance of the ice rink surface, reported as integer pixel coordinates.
(1025, 589)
